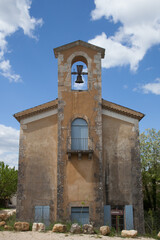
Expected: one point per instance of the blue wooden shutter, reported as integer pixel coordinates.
(42, 214)
(107, 215)
(129, 217)
(38, 214)
(46, 215)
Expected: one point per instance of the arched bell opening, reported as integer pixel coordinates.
(79, 74)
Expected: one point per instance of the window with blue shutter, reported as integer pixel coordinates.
(79, 134)
(114, 216)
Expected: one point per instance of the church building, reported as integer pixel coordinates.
(79, 157)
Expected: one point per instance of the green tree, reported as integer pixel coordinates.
(8, 182)
(150, 158)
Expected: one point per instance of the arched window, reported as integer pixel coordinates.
(79, 134)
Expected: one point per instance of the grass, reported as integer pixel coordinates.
(50, 227)
(153, 235)
(97, 231)
(114, 233)
(10, 222)
(69, 224)
(1, 229)
(2, 208)
(30, 226)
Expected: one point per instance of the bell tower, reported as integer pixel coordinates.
(79, 169)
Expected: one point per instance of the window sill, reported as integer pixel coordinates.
(80, 153)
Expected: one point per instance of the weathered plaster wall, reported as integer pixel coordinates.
(122, 170)
(117, 160)
(80, 181)
(87, 105)
(37, 180)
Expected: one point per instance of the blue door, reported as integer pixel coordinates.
(107, 215)
(79, 134)
(42, 214)
(80, 215)
(129, 217)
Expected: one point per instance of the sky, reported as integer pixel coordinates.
(29, 30)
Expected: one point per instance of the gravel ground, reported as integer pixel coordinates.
(7, 235)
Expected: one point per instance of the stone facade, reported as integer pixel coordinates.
(51, 174)
(72, 104)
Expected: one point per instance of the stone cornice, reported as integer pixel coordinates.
(79, 43)
(38, 109)
(54, 105)
(121, 110)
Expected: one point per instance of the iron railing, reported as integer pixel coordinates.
(80, 144)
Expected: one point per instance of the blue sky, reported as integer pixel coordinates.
(29, 30)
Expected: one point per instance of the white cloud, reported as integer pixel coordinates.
(9, 144)
(85, 70)
(139, 31)
(14, 14)
(152, 87)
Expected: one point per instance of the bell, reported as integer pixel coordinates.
(79, 72)
(79, 69)
(79, 79)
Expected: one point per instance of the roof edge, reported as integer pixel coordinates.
(54, 104)
(78, 43)
(122, 110)
(37, 109)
